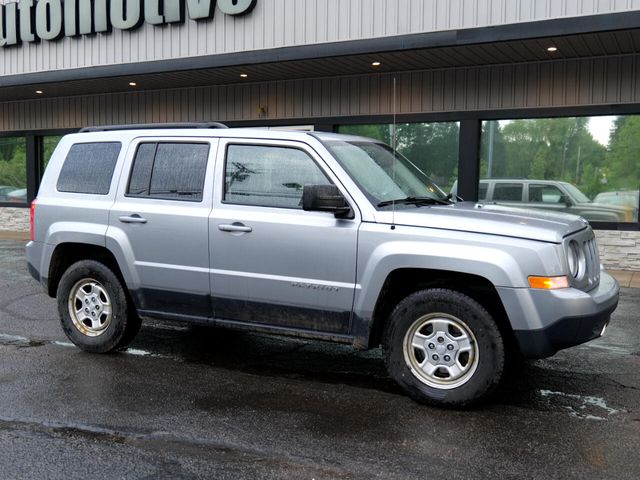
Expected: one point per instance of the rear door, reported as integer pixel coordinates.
(160, 220)
(272, 262)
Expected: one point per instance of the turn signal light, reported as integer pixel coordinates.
(549, 283)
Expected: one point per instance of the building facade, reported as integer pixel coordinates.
(469, 90)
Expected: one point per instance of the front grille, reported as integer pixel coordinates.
(589, 274)
(590, 248)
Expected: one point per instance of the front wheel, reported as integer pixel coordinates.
(93, 308)
(444, 348)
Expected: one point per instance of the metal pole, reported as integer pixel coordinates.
(492, 126)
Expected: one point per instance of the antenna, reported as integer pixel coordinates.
(394, 140)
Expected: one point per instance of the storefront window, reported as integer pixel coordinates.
(588, 166)
(13, 170)
(432, 147)
(49, 143)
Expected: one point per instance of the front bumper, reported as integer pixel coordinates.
(545, 321)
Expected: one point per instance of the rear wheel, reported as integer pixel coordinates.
(93, 308)
(444, 348)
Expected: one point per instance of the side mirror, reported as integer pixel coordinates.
(566, 200)
(325, 198)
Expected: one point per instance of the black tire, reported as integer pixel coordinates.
(96, 290)
(134, 322)
(471, 335)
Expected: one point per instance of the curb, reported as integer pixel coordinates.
(626, 278)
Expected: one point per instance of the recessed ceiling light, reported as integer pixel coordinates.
(376, 64)
(132, 84)
(244, 75)
(552, 49)
(39, 92)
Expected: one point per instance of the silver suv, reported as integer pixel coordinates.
(550, 195)
(315, 235)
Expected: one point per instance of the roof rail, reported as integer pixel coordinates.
(152, 126)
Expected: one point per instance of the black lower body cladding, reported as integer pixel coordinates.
(564, 333)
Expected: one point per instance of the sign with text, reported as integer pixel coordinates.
(33, 20)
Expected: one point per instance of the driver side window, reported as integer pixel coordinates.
(269, 176)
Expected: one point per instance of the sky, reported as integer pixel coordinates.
(600, 127)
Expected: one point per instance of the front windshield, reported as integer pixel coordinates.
(382, 175)
(577, 194)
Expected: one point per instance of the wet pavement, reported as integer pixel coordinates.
(192, 402)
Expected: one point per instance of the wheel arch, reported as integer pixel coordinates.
(403, 282)
(66, 254)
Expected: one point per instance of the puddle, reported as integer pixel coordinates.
(138, 352)
(19, 341)
(580, 406)
(174, 328)
(612, 349)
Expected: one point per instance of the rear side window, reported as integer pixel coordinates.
(89, 167)
(170, 171)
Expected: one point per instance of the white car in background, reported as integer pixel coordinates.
(17, 196)
(4, 192)
(624, 198)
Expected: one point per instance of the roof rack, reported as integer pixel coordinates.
(152, 126)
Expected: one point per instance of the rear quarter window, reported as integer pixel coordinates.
(89, 168)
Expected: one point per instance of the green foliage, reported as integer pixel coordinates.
(545, 149)
(13, 163)
(433, 147)
(623, 156)
(380, 132)
(49, 144)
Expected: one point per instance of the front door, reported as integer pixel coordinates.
(271, 262)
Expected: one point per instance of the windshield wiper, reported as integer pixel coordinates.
(416, 201)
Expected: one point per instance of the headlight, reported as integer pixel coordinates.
(575, 258)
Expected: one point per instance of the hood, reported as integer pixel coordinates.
(489, 219)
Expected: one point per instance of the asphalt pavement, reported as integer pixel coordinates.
(192, 402)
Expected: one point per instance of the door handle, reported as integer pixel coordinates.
(134, 218)
(234, 227)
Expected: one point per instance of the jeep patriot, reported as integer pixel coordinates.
(316, 235)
